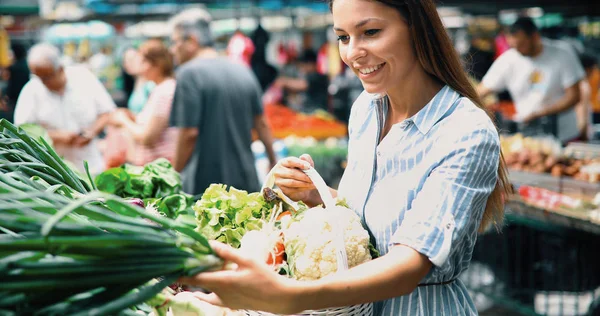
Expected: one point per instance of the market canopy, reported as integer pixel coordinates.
(66, 32)
(111, 6)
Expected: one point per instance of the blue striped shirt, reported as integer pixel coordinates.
(425, 185)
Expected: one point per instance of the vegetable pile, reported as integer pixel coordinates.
(157, 183)
(66, 251)
(289, 237)
(20, 152)
(227, 214)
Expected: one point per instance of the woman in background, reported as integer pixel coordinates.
(137, 89)
(149, 129)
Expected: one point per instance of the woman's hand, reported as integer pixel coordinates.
(293, 182)
(119, 117)
(251, 286)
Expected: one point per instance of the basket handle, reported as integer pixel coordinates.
(329, 202)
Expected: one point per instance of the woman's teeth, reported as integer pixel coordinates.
(366, 71)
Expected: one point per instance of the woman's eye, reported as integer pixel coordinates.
(343, 38)
(372, 32)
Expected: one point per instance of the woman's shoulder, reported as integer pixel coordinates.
(165, 87)
(467, 119)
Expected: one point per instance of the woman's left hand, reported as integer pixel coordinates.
(250, 286)
(120, 116)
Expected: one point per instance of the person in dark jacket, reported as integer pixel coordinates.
(17, 76)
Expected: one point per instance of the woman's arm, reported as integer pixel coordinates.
(254, 286)
(147, 134)
(395, 274)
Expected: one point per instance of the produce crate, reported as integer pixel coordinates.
(537, 267)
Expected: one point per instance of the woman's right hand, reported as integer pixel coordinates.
(293, 182)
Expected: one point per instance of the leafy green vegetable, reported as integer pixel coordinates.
(226, 214)
(157, 179)
(157, 183)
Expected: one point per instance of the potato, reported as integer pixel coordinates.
(511, 158)
(524, 156)
(550, 161)
(571, 170)
(538, 168)
(557, 170)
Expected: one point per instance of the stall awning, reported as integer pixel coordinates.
(19, 7)
(566, 8)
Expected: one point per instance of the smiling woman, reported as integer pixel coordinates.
(424, 172)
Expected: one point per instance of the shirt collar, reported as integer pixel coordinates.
(433, 111)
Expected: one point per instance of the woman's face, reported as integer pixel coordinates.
(146, 69)
(374, 41)
(131, 62)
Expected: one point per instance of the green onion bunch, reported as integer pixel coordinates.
(85, 254)
(19, 151)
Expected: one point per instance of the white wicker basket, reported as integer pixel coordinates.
(354, 310)
(342, 263)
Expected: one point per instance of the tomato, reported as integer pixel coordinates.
(283, 214)
(277, 255)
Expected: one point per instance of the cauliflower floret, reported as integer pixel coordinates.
(310, 246)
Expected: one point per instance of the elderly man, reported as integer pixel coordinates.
(69, 102)
(216, 105)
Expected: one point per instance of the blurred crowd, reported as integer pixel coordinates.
(197, 106)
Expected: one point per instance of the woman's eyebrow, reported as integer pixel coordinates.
(359, 24)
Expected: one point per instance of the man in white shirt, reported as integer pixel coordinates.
(542, 78)
(69, 102)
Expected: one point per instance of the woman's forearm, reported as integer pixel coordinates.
(395, 274)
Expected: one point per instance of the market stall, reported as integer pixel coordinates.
(117, 243)
(544, 261)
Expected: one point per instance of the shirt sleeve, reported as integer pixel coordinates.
(495, 78)
(187, 105)
(453, 198)
(25, 107)
(572, 70)
(103, 101)
(162, 100)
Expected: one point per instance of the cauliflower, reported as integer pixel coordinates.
(309, 242)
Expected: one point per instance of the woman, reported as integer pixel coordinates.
(150, 130)
(137, 88)
(424, 172)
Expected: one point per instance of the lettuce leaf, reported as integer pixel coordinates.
(226, 214)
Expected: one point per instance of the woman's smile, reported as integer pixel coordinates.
(369, 72)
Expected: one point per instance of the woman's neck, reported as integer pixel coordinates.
(410, 96)
(160, 79)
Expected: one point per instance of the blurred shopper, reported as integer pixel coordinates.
(150, 130)
(137, 88)
(309, 91)
(68, 101)
(16, 76)
(542, 79)
(585, 106)
(217, 103)
(265, 72)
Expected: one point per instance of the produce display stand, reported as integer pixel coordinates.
(546, 260)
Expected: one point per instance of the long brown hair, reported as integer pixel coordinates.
(437, 56)
(157, 53)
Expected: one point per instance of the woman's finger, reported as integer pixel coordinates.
(209, 280)
(211, 298)
(291, 174)
(308, 158)
(293, 162)
(291, 185)
(229, 253)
